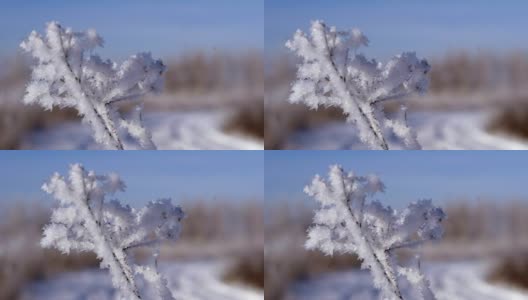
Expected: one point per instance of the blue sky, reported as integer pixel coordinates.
(239, 175)
(428, 27)
(408, 175)
(128, 26)
(207, 175)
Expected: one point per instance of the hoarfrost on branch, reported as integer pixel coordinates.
(333, 73)
(86, 220)
(67, 73)
(348, 221)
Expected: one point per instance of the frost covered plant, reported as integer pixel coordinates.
(348, 221)
(68, 74)
(333, 73)
(85, 220)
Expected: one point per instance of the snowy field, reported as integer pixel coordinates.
(189, 281)
(450, 281)
(442, 131)
(189, 131)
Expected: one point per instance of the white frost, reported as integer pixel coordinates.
(333, 73)
(68, 74)
(348, 222)
(85, 221)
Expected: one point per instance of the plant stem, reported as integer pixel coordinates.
(77, 91)
(340, 85)
(100, 238)
(388, 274)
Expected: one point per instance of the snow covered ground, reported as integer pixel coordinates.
(453, 130)
(450, 281)
(189, 130)
(189, 281)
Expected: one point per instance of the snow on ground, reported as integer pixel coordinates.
(450, 281)
(192, 281)
(453, 130)
(189, 130)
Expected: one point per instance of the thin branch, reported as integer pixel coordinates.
(142, 244)
(369, 121)
(108, 127)
(387, 273)
(126, 273)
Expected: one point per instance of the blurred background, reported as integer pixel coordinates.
(219, 254)
(478, 83)
(484, 251)
(213, 85)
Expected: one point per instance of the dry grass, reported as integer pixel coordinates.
(512, 270)
(285, 257)
(452, 75)
(211, 230)
(512, 120)
(39, 265)
(287, 261)
(248, 269)
(221, 220)
(248, 119)
(16, 119)
(469, 72)
(283, 120)
(199, 73)
(22, 260)
(284, 269)
(509, 221)
(193, 81)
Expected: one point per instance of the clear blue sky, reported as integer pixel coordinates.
(429, 27)
(408, 175)
(164, 27)
(191, 175)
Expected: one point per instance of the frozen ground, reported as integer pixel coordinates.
(454, 130)
(189, 130)
(450, 281)
(189, 281)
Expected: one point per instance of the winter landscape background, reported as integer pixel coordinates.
(213, 85)
(479, 69)
(483, 254)
(219, 254)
